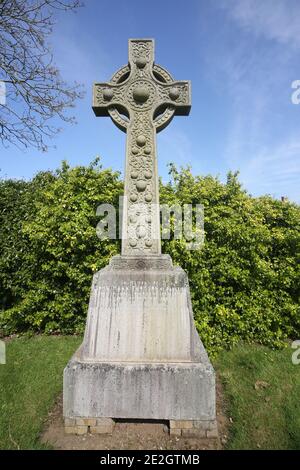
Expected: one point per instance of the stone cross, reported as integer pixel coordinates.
(141, 99)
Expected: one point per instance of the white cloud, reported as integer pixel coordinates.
(277, 169)
(273, 19)
(253, 57)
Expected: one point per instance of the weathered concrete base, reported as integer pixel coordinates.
(141, 357)
(164, 391)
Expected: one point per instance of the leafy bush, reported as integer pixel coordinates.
(59, 247)
(244, 281)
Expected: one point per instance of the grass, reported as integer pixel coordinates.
(29, 384)
(261, 386)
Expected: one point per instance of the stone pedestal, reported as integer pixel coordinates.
(141, 357)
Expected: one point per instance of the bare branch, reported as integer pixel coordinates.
(36, 93)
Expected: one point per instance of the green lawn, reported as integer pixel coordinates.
(261, 386)
(29, 384)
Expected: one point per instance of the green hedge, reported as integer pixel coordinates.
(244, 280)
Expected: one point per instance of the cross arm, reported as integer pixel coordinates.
(107, 96)
(176, 94)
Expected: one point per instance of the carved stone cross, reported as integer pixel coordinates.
(141, 99)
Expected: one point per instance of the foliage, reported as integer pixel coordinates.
(17, 206)
(59, 252)
(244, 280)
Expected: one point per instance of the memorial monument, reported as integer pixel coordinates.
(141, 357)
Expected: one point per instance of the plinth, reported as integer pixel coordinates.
(141, 357)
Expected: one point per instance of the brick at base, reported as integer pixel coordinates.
(82, 426)
(193, 428)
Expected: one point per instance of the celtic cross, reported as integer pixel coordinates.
(141, 99)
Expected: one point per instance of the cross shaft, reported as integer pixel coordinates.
(141, 98)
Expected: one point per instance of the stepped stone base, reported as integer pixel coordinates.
(178, 428)
(141, 357)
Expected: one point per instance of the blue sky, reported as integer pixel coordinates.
(241, 56)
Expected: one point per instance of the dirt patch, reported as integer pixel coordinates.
(131, 435)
